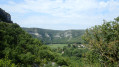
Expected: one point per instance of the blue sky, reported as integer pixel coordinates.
(61, 14)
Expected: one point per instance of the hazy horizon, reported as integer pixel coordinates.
(61, 14)
(54, 29)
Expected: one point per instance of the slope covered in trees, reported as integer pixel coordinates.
(56, 36)
(19, 49)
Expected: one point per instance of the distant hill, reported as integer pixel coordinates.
(56, 36)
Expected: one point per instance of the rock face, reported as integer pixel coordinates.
(4, 16)
(56, 36)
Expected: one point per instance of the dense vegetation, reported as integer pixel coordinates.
(56, 36)
(18, 48)
(75, 52)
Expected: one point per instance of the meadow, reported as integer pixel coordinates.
(54, 46)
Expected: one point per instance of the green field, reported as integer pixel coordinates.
(57, 45)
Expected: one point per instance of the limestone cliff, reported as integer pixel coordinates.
(56, 36)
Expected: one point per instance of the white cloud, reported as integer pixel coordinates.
(56, 7)
(68, 12)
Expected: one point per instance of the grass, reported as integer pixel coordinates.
(53, 46)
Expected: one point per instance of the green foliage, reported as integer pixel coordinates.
(16, 44)
(103, 40)
(46, 54)
(27, 58)
(21, 49)
(61, 61)
(6, 63)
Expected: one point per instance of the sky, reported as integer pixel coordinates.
(61, 14)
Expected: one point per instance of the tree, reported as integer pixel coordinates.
(104, 41)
